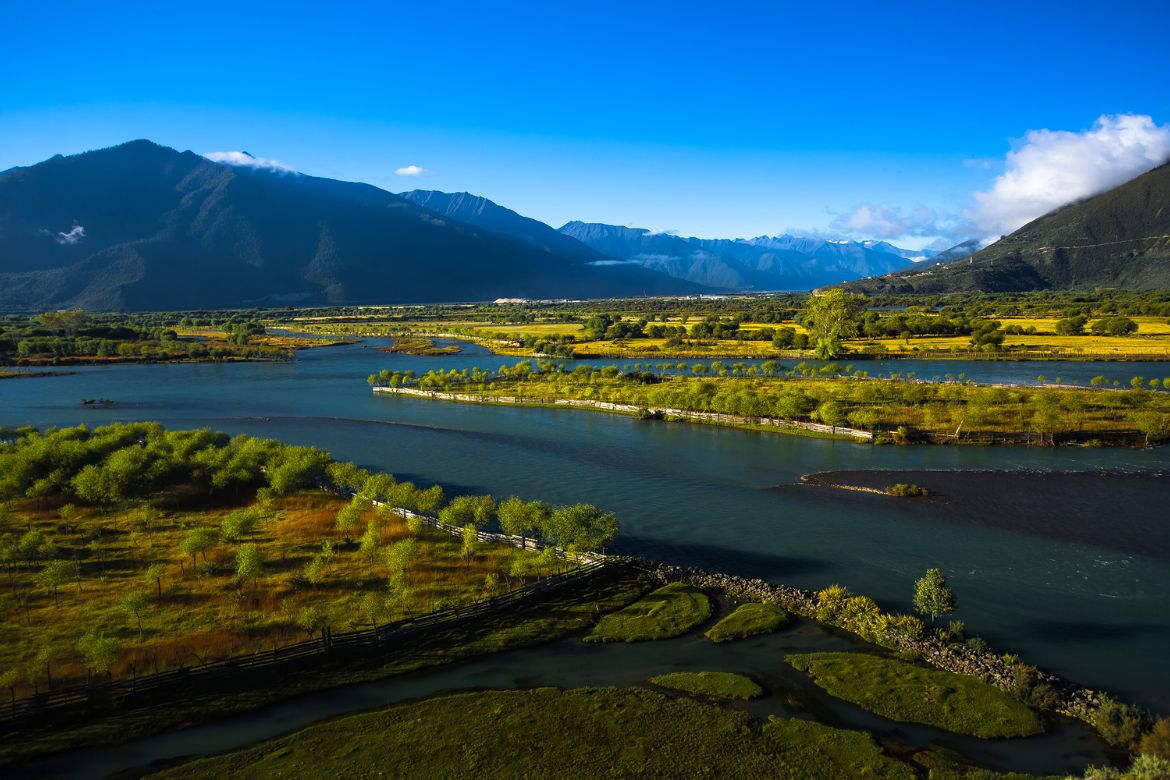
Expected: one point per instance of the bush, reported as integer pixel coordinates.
(1120, 724)
(902, 490)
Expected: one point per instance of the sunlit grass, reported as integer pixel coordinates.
(906, 692)
(204, 611)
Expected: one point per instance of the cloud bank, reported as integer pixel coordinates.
(245, 160)
(889, 223)
(410, 170)
(1046, 170)
(1053, 167)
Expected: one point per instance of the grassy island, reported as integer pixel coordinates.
(719, 685)
(824, 401)
(669, 611)
(750, 619)
(588, 732)
(906, 692)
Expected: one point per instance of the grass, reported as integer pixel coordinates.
(905, 692)
(561, 612)
(750, 619)
(547, 733)
(667, 612)
(199, 610)
(721, 685)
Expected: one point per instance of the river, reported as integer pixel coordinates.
(1071, 573)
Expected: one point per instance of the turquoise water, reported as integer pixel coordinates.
(1078, 604)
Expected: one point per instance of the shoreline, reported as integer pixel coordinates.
(660, 413)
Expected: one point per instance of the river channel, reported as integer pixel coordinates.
(1071, 573)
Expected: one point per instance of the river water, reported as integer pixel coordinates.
(1071, 572)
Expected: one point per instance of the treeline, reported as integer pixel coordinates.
(898, 409)
(118, 463)
(63, 335)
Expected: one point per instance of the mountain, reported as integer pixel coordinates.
(142, 226)
(957, 252)
(481, 212)
(763, 263)
(1117, 239)
(914, 255)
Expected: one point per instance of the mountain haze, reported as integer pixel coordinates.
(1117, 239)
(762, 264)
(142, 226)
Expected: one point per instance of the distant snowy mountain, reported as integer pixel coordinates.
(763, 263)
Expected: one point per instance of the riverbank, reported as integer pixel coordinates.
(656, 413)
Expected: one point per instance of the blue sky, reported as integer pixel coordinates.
(712, 119)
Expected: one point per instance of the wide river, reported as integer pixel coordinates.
(1060, 555)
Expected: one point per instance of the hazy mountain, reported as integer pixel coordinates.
(957, 252)
(481, 212)
(763, 263)
(1117, 239)
(142, 226)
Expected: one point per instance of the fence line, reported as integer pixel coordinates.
(377, 636)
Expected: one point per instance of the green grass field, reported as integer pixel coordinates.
(547, 733)
(905, 692)
(720, 685)
(670, 611)
(750, 619)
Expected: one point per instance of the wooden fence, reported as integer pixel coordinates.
(362, 640)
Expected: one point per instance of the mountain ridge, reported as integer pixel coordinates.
(143, 226)
(1119, 238)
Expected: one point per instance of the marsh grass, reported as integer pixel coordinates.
(750, 619)
(667, 612)
(906, 692)
(548, 733)
(720, 685)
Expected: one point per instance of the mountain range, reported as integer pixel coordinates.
(1120, 238)
(144, 227)
(764, 263)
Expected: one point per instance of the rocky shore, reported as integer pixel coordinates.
(998, 670)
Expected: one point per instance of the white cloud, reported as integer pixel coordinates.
(246, 160)
(1053, 167)
(74, 236)
(411, 170)
(890, 223)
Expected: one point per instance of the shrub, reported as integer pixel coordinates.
(1121, 724)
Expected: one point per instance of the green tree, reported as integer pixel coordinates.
(135, 603)
(581, 527)
(100, 652)
(470, 543)
(55, 574)
(249, 563)
(197, 541)
(522, 518)
(932, 596)
(831, 317)
(429, 500)
(154, 575)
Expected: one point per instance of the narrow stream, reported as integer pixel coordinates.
(1068, 745)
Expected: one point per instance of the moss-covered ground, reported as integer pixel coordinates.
(548, 733)
(750, 619)
(906, 692)
(669, 611)
(720, 685)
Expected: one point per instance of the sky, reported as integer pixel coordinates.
(922, 124)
